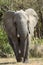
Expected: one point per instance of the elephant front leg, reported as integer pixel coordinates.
(15, 49)
(26, 51)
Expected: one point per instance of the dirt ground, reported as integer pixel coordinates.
(12, 61)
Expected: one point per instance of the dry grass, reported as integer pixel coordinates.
(12, 61)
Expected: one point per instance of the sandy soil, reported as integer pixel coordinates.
(12, 61)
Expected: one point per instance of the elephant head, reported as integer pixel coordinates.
(18, 26)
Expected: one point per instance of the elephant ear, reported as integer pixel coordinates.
(8, 20)
(33, 19)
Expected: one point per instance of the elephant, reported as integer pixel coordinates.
(19, 26)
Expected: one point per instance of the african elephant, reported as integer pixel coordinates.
(19, 25)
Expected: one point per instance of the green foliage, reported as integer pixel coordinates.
(4, 44)
(37, 41)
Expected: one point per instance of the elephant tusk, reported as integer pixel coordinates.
(18, 36)
(19, 51)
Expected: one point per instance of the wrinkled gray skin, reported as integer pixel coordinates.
(19, 26)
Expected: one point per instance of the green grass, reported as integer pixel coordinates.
(37, 41)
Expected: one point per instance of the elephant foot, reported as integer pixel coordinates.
(19, 60)
(19, 57)
(25, 60)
